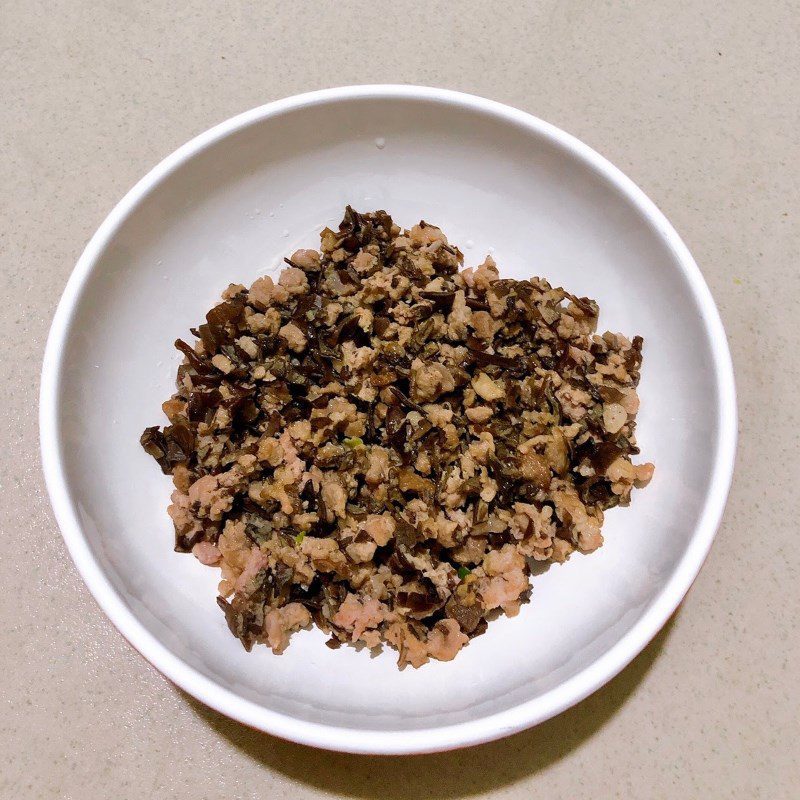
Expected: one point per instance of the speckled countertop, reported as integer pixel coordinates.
(698, 104)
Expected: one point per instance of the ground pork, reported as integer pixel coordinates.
(445, 640)
(356, 615)
(207, 553)
(280, 623)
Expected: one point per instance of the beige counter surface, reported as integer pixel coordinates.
(697, 102)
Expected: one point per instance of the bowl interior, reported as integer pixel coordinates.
(229, 214)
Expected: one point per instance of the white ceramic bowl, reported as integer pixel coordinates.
(227, 207)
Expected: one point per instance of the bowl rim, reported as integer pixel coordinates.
(370, 741)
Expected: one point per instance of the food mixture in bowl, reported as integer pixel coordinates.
(382, 443)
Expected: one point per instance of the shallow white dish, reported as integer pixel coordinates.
(228, 206)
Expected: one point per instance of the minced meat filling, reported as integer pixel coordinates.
(382, 443)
